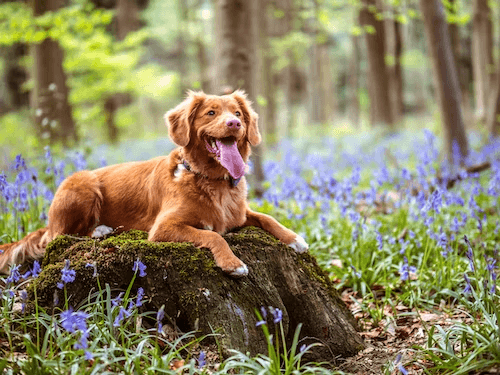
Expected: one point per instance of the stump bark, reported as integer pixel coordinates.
(199, 297)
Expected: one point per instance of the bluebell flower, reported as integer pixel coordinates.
(201, 359)
(443, 240)
(36, 269)
(95, 274)
(73, 321)
(118, 300)
(277, 315)
(140, 295)
(24, 299)
(138, 265)
(159, 316)
(358, 274)
(469, 253)
(68, 275)
(380, 240)
(406, 269)
(468, 287)
(122, 314)
(14, 275)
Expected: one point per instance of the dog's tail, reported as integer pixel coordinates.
(30, 247)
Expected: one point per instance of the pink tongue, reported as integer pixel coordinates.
(230, 159)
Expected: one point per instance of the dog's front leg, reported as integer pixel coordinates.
(272, 226)
(172, 231)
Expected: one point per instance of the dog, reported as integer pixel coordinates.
(195, 194)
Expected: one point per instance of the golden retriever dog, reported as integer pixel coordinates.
(194, 194)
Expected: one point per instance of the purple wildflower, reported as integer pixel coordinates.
(406, 269)
(356, 272)
(68, 275)
(14, 275)
(138, 265)
(468, 287)
(380, 240)
(118, 300)
(140, 295)
(95, 274)
(277, 315)
(201, 359)
(469, 253)
(24, 299)
(36, 269)
(159, 316)
(122, 314)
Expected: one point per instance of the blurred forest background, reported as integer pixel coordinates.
(87, 72)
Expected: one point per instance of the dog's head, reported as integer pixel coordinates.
(215, 131)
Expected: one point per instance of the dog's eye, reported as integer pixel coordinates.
(211, 113)
(237, 113)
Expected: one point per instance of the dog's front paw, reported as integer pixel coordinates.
(299, 245)
(240, 271)
(234, 267)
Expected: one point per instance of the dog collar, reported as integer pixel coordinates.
(232, 181)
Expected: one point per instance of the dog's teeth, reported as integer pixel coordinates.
(213, 144)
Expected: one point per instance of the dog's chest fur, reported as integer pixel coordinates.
(222, 207)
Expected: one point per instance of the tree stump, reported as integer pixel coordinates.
(199, 297)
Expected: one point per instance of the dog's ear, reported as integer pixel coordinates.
(180, 119)
(251, 118)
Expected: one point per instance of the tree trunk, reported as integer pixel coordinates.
(126, 20)
(353, 85)
(445, 78)
(397, 75)
(236, 22)
(493, 120)
(54, 118)
(380, 100)
(182, 66)
(482, 55)
(203, 65)
(199, 297)
(15, 76)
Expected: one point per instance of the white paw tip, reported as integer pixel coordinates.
(299, 245)
(240, 271)
(101, 231)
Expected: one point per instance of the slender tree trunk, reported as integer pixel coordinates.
(493, 120)
(482, 57)
(126, 21)
(203, 65)
(380, 101)
(183, 65)
(237, 37)
(397, 81)
(445, 77)
(15, 75)
(54, 118)
(353, 83)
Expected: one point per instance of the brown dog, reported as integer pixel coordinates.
(194, 194)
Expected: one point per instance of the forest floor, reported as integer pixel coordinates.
(395, 340)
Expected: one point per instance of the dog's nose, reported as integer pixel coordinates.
(233, 123)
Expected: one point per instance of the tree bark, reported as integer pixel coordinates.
(236, 22)
(482, 56)
(54, 117)
(353, 80)
(493, 120)
(199, 297)
(13, 95)
(380, 100)
(126, 20)
(445, 78)
(397, 72)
